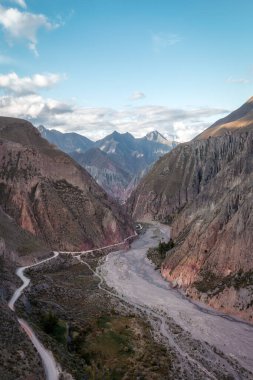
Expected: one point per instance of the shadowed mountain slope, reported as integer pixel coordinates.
(51, 196)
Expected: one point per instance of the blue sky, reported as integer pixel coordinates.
(93, 66)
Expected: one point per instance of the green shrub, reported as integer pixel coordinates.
(164, 247)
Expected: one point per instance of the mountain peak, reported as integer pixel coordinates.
(115, 133)
(250, 100)
(41, 128)
(156, 136)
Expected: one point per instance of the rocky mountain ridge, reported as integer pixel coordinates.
(204, 190)
(127, 158)
(51, 196)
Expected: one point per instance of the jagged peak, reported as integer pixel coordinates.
(155, 136)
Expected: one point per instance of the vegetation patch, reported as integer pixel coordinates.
(99, 337)
(214, 284)
(55, 327)
(158, 254)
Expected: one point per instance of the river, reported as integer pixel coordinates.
(208, 340)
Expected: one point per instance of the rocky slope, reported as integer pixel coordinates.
(204, 189)
(67, 142)
(107, 173)
(18, 357)
(51, 196)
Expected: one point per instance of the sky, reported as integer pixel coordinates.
(95, 66)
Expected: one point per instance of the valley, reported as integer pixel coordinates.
(133, 299)
(126, 190)
(198, 335)
(94, 332)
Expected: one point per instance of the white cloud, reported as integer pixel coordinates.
(25, 85)
(137, 95)
(95, 123)
(237, 80)
(21, 3)
(24, 25)
(164, 40)
(21, 100)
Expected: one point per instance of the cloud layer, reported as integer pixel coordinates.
(21, 3)
(27, 85)
(20, 99)
(237, 80)
(162, 41)
(19, 25)
(137, 95)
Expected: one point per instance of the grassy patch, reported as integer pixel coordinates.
(215, 284)
(109, 338)
(159, 253)
(103, 342)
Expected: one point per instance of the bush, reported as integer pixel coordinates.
(49, 322)
(164, 247)
(53, 326)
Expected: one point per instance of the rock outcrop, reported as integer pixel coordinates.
(204, 190)
(51, 196)
(106, 172)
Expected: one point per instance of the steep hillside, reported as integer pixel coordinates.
(17, 248)
(242, 118)
(51, 196)
(107, 173)
(204, 190)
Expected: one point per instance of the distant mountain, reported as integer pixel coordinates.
(49, 195)
(67, 142)
(159, 138)
(107, 173)
(135, 155)
(118, 161)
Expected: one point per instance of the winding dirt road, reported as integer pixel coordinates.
(207, 344)
(51, 368)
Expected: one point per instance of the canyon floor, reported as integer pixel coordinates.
(207, 344)
(114, 317)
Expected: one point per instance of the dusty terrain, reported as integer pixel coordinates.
(94, 334)
(198, 335)
(203, 189)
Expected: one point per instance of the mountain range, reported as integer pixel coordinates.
(116, 162)
(204, 190)
(48, 201)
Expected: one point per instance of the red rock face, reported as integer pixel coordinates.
(51, 196)
(204, 190)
